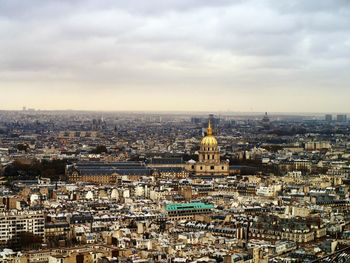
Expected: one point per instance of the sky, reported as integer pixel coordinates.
(175, 55)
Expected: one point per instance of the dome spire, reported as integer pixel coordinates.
(209, 130)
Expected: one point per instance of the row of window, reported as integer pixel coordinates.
(211, 167)
(210, 156)
(209, 149)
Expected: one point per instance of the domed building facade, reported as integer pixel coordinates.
(209, 163)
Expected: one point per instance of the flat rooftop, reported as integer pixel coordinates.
(188, 206)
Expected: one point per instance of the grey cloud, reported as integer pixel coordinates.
(175, 42)
(296, 6)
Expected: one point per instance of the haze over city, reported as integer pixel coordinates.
(179, 55)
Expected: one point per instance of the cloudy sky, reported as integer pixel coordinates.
(205, 55)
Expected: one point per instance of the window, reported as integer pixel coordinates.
(212, 167)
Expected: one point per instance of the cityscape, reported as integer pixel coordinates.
(142, 187)
(174, 131)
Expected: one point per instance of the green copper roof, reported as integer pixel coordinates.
(188, 206)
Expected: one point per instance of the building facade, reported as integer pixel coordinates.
(14, 223)
(105, 172)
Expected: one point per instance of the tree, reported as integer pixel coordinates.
(53, 169)
(25, 241)
(22, 147)
(100, 149)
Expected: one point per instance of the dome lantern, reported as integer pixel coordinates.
(209, 140)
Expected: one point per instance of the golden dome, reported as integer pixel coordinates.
(209, 140)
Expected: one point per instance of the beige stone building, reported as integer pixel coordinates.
(209, 163)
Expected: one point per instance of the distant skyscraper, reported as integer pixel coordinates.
(328, 117)
(196, 120)
(341, 118)
(213, 120)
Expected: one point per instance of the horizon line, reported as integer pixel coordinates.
(215, 112)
